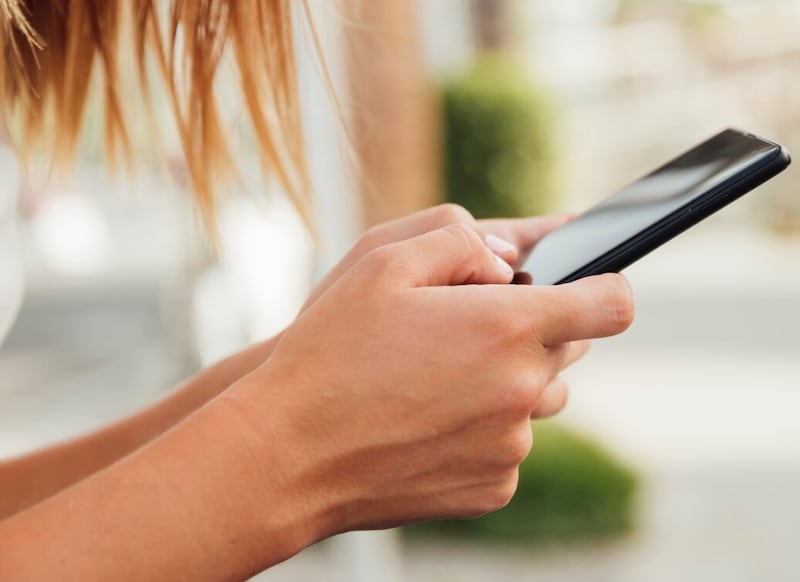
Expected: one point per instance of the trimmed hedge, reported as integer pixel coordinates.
(498, 147)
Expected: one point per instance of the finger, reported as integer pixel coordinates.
(575, 351)
(555, 395)
(520, 232)
(445, 215)
(523, 233)
(593, 307)
(562, 356)
(409, 227)
(421, 222)
(501, 247)
(553, 399)
(393, 231)
(455, 255)
(437, 217)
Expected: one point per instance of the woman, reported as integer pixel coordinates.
(402, 392)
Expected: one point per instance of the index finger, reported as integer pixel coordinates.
(594, 307)
(523, 233)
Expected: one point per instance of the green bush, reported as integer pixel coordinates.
(570, 490)
(498, 156)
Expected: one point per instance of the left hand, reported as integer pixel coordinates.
(520, 235)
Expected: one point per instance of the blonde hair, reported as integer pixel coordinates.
(51, 49)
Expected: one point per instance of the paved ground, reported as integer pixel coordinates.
(702, 395)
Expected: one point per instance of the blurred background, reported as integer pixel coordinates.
(679, 454)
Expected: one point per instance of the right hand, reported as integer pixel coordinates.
(405, 392)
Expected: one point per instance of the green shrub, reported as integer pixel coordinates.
(570, 490)
(498, 158)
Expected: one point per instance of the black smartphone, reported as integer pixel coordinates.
(638, 219)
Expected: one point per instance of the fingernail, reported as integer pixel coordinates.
(507, 269)
(499, 246)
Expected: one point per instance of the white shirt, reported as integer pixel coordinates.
(11, 277)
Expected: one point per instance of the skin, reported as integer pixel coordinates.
(32, 478)
(402, 392)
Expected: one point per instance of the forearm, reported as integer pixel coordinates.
(27, 480)
(205, 501)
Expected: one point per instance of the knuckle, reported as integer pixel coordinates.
(378, 262)
(465, 239)
(554, 401)
(464, 233)
(371, 238)
(520, 445)
(621, 309)
(538, 378)
(493, 496)
(563, 397)
(375, 260)
(449, 213)
(519, 403)
(475, 509)
(504, 491)
(523, 396)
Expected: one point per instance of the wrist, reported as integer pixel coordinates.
(287, 502)
(208, 500)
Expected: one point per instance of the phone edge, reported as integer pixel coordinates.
(684, 218)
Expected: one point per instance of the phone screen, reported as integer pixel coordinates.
(683, 185)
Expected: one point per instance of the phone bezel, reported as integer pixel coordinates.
(686, 216)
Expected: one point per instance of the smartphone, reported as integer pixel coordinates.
(638, 219)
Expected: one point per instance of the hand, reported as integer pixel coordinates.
(521, 234)
(405, 392)
(517, 237)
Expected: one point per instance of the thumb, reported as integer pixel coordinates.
(454, 255)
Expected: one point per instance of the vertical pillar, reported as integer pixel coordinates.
(392, 108)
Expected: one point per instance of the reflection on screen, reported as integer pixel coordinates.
(668, 190)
